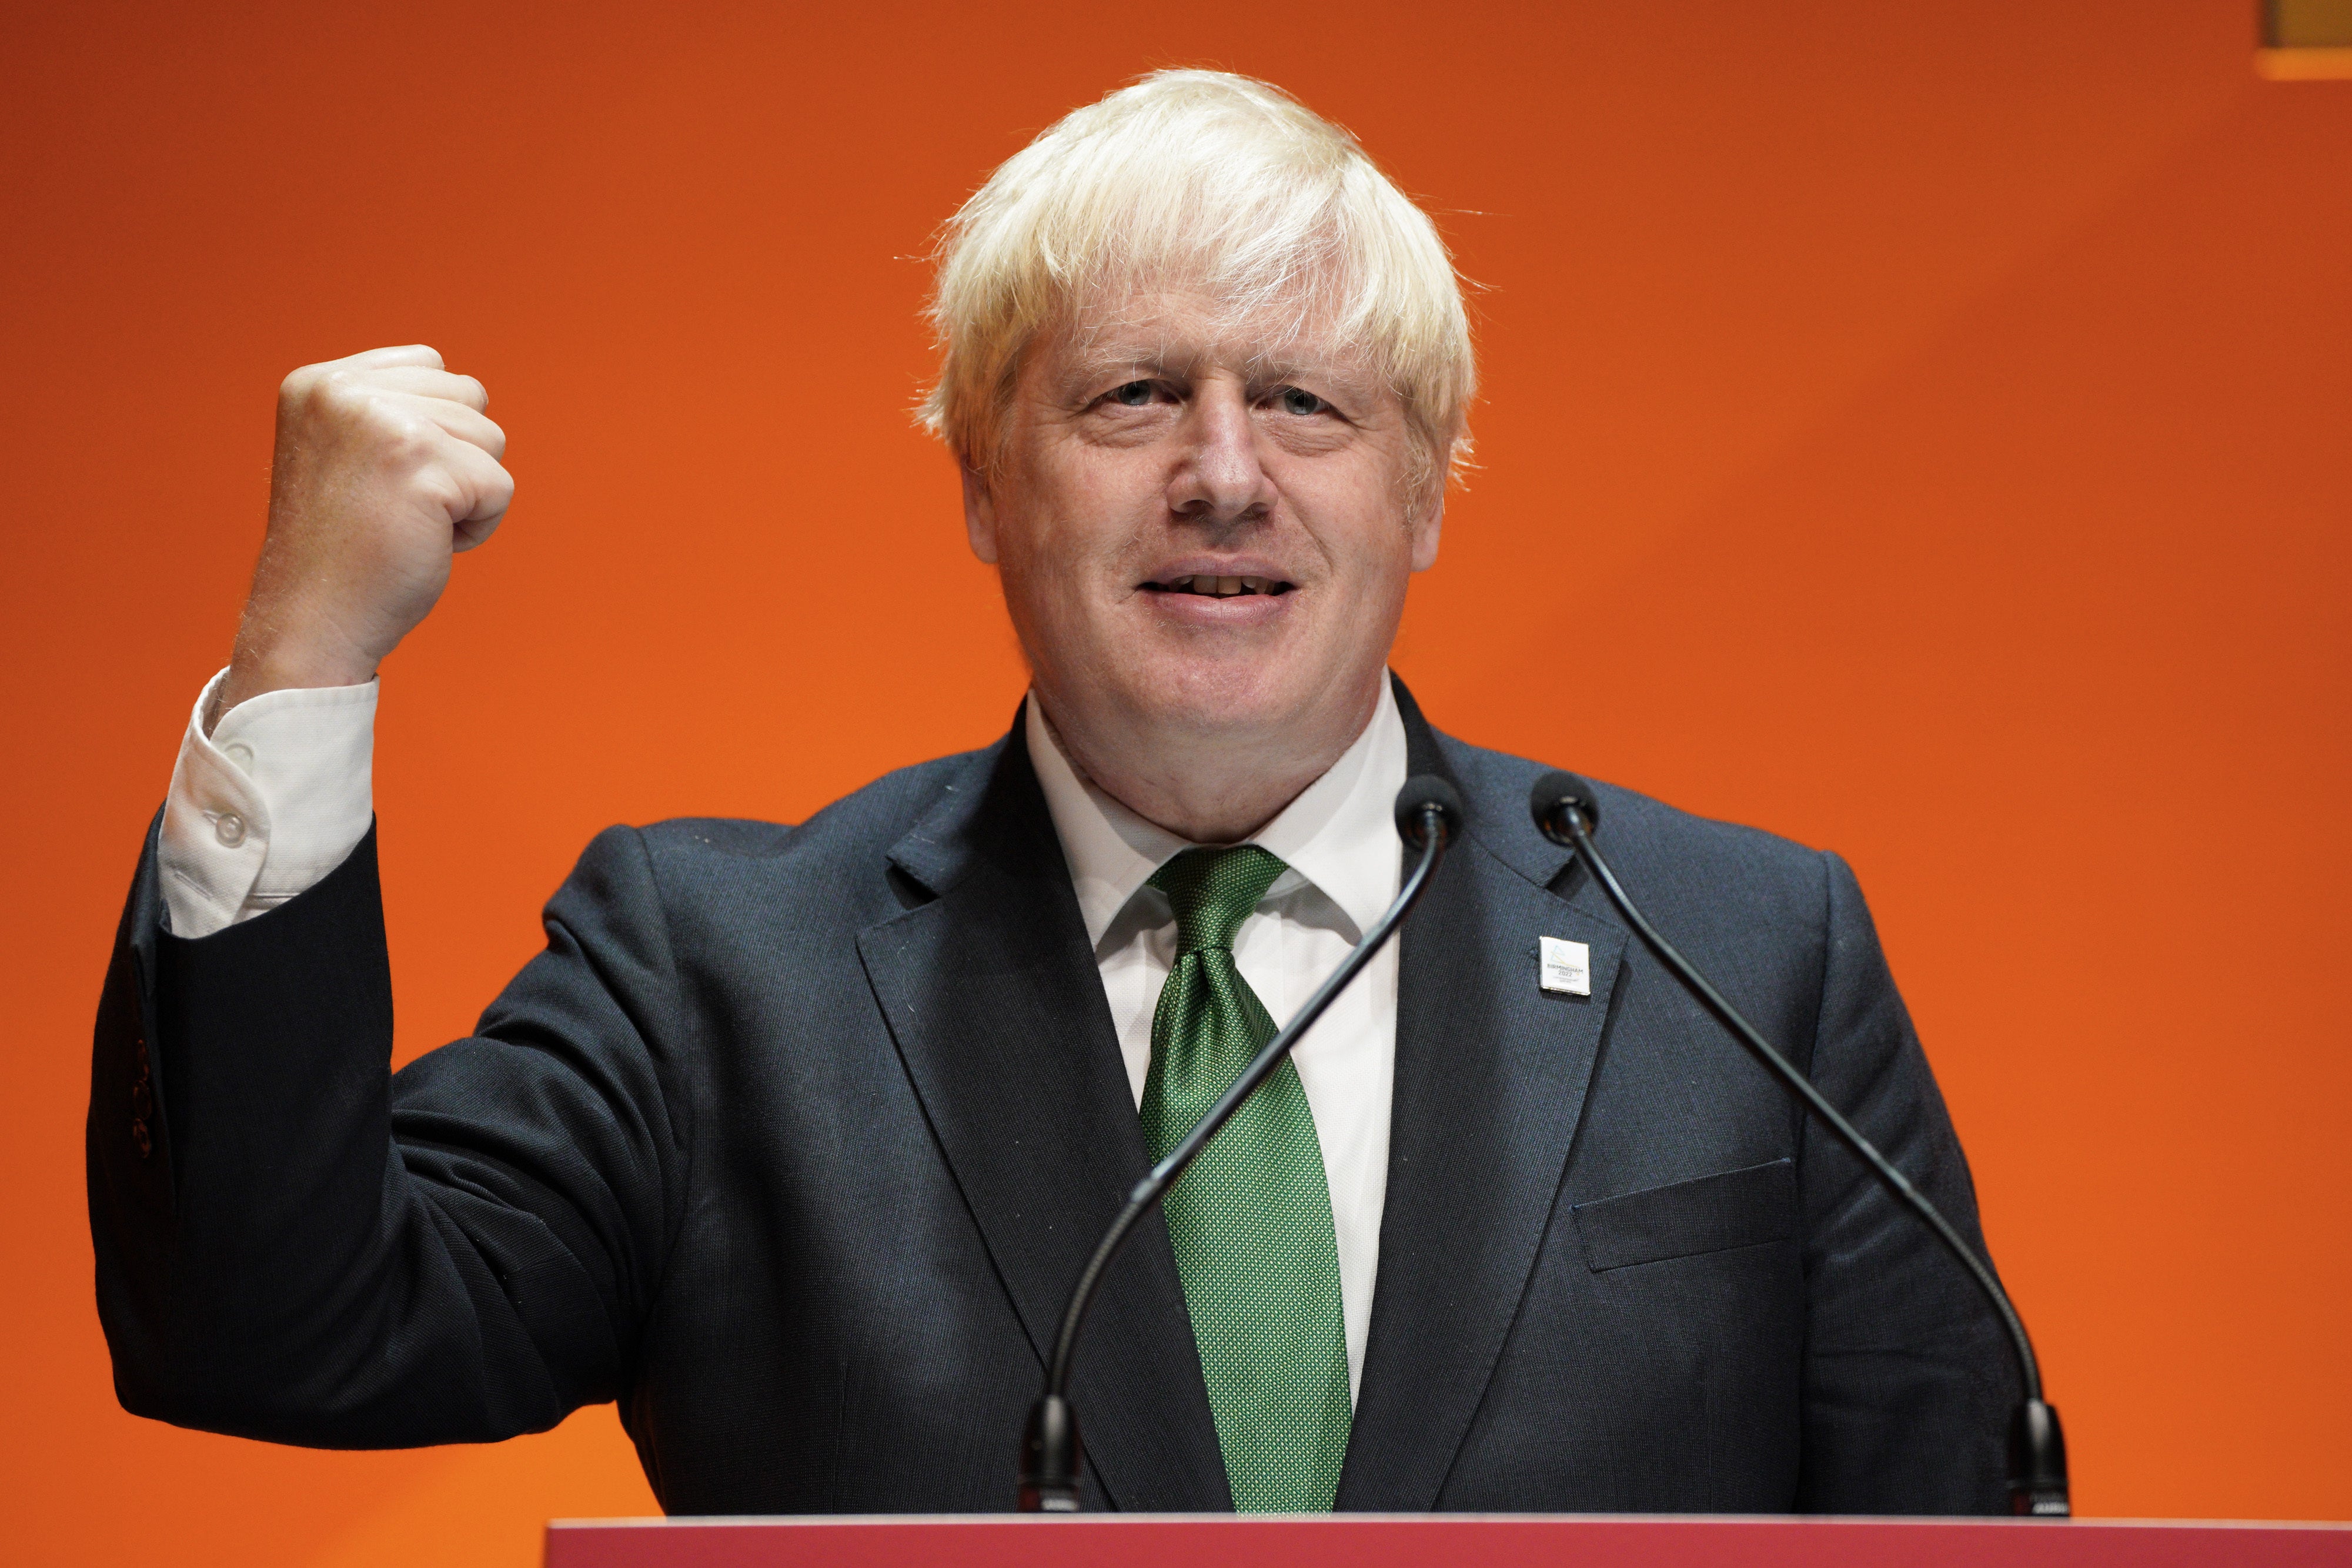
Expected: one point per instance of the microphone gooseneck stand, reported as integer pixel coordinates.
(1566, 811)
(1428, 817)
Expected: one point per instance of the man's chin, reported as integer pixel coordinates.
(1237, 701)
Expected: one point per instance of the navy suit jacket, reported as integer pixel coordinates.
(794, 1138)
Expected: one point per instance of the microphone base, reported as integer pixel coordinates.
(1050, 1459)
(2037, 1464)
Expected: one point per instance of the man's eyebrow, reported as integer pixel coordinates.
(1352, 385)
(1088, 364)
(1271, 371)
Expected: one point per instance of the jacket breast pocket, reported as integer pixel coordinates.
(1706, 1214)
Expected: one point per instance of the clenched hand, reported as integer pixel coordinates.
(385, 467)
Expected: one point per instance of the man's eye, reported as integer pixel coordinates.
(1134, 394)
(1300, 401)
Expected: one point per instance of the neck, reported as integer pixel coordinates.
(1214, 788)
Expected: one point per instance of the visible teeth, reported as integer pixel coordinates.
(1217, 586)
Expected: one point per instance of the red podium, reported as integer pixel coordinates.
(1413, 1540)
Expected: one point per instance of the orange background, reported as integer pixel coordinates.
(1920, 430)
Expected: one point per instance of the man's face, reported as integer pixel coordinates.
(1203, 531)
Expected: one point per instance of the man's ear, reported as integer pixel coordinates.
(979, 514)
(1428, 522)
(1425, 517)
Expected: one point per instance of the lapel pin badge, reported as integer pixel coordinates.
(1566, 968)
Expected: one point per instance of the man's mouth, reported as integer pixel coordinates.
(1219, 587)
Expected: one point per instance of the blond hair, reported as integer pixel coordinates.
(1222, 182)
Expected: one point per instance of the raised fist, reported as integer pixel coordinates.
(386, 466)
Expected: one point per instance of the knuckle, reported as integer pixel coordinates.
(437, 486)
(333, 393)
(373, 429)
(300, 383)
(406, 436)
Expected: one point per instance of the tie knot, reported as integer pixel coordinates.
(1213, 891)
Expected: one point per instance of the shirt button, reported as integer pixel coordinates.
(229, 829)
(241, 754)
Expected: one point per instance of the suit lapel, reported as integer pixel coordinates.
(991, 994)
(1491, 1074)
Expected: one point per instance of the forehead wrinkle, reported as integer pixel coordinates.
(1185, 319)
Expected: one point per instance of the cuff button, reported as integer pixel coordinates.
(229, 829)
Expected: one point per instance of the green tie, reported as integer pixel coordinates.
(1250, 1219)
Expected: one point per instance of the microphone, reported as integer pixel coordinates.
(1567, 813)
(1428, 819)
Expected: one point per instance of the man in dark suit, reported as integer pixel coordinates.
(794, 1139)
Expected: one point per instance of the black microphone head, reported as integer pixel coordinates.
(1422, 794)
(1555, 792)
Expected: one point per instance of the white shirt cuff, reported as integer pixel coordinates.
(277, 796)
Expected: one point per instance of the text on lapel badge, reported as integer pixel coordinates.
(1566, 967)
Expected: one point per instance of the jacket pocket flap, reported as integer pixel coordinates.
(1705, 1214)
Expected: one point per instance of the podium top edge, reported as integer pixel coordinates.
(1216, 1520)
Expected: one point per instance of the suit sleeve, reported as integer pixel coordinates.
(294, 1244)
(1909, 1378)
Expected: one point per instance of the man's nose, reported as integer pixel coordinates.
(1219, 478)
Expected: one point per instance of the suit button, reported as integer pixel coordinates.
(139, 1136)
(142, 1100)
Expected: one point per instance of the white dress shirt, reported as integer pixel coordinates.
(281, 792)
(277, 796)
(1339, 839)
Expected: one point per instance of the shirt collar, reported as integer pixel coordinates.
(1339, 834)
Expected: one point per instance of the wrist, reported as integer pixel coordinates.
(286, 665)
